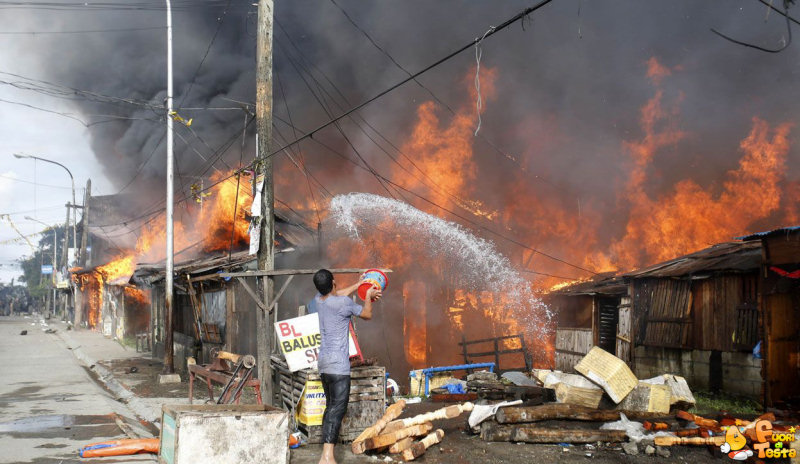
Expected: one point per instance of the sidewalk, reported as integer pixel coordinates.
(130, 376)
(49, 405)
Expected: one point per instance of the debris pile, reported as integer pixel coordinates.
(608, 404)
(402, 436)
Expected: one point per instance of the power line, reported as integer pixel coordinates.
(177, 5)
(432, 185)
(96, 31)
(491, 144)
(475, 224)
(34, 183)
(208, 49)
(491, 32)
(528, 271)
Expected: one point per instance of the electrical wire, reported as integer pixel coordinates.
(96, 31)
(220, 19)
(411, 77)
(34, 183)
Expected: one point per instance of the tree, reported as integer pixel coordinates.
(37, 284)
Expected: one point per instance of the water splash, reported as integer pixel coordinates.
(478, 263)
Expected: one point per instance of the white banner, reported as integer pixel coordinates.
(299, 339)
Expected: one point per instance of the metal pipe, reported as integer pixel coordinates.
(431, 370)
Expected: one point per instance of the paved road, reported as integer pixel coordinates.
(49, 404)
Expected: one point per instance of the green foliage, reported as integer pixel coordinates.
(714, 402)
(32, 266)
(39, 291)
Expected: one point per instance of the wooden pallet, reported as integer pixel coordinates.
(367, 397)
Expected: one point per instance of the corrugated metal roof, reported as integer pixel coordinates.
(759, 235)
(729, 256)
(606, 283)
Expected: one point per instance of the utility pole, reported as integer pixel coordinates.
(266, 246)
(168, 375)
(65, 259)
(83, 252)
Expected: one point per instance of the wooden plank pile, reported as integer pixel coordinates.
(402, 436)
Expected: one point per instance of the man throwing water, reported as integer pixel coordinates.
(335, 309)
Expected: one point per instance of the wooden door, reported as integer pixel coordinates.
(783, 325)
(608, 315)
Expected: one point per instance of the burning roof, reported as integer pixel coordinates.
(730, 256)
(769, 233)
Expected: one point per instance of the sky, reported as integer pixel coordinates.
(564, 94)
(36, 189)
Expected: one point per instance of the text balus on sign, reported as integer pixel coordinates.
(299, 339)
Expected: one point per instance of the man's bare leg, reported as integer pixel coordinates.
(327, 454)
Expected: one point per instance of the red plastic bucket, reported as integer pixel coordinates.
(372, 278)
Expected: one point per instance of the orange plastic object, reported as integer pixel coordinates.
(120, 447)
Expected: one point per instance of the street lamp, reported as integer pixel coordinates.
(74, 214)
(55, 254)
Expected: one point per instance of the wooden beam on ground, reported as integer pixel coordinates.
(402, 445)
(564, 411)
(699, 420)
(448, 412)
(671, 441)
(388, 439)
(491, 431)
(418, 448)
(392, 412)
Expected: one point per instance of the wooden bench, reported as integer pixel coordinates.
(218, 373)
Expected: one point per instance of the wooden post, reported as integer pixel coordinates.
(418, 449)
(535, 434)
(83, 252)
(564, 411)
(266, 246)
(388, 439)
(392, 412)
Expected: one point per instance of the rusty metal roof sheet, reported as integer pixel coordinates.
(729, 256)
(759, 235)
(607, 283)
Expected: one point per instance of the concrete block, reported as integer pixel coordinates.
(700, 356)
(168, 378)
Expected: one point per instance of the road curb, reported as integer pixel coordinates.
(120, 391)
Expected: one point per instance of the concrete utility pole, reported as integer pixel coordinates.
(169, 376)
(83, 252)
(266, 246)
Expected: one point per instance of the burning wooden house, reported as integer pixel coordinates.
(696, 316)
(211, 312)
(779, 307)
(105, 300)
